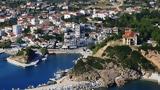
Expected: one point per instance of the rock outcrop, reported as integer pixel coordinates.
(109, 75)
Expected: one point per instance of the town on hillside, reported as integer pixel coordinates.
(72, 24)
(98, 43)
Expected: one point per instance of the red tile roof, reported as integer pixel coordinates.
(129, 33)
(11, 34)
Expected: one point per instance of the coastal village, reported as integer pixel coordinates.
(56, 26)
(89, 28)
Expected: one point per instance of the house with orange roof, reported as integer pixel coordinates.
(130, 37)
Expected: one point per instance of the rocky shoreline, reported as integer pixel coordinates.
(95, 72)
(107, 77)
(66, 83)
(151, 76)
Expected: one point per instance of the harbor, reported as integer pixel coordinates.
(33, 76)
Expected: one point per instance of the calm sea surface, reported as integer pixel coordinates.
(136, 85)
(16, 77)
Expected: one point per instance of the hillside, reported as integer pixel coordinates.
(117, 62)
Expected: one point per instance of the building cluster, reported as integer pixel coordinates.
(56, 26)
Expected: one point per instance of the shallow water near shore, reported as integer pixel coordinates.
(136, 85)
(16, 77)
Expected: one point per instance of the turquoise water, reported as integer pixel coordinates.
(16, 77)
(136, 85)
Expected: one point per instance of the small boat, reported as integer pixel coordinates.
(46, 56)
(58, 74)
(39, 85)
(52, 79)
(66, 70)
(44, 59)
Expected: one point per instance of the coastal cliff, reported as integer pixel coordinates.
(118, 65)
(105, 72)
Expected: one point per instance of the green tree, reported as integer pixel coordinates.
(59, 37)
(44, 51)
(5, 44)
(27, 31)
(156, 35)
(38, 31)
(19, 41)
(47, 37)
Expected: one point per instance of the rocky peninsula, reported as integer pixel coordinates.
(24, 58)
(118, 65)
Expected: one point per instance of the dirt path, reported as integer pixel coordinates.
(100, 52)
(152, 56)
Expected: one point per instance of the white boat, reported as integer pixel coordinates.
(52, 79)
(58, 74)
(66, 70)
(39, 85)
(46, 56)
(44, 59)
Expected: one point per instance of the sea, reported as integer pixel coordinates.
(12, 76)
(136, 85)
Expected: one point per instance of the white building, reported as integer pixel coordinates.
(65, 7)
(82, 12)
(112, 1)
(17, 29)
(99, 15)
(1, 33)
(130, 37)
(67, 16)
(77, 31)
(33, 21)
(2, 19)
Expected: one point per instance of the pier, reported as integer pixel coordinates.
(85, 53)
(61, 51)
